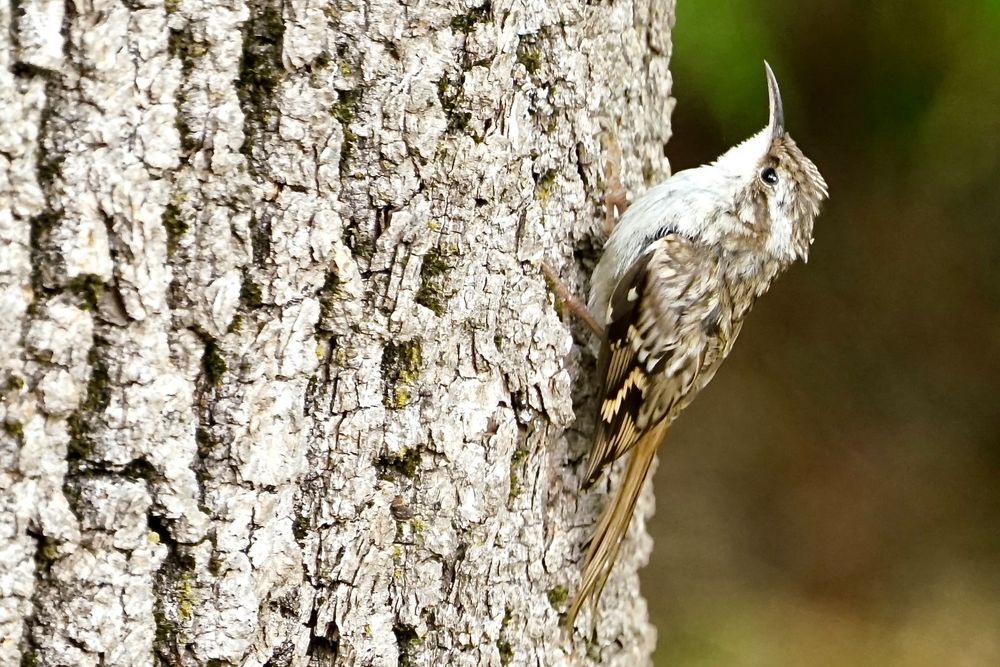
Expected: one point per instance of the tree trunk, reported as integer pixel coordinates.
(282, 382)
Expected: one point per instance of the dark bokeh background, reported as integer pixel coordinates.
(833, 498)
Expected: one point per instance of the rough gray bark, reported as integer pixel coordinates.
(281, 380)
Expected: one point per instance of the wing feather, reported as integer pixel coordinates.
(670, 319)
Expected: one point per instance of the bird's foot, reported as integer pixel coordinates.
(615, 197)
(570, 300)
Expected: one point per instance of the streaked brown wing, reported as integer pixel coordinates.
(667, 316)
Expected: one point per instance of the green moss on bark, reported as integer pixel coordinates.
(503, 644)
(251, 296)
(88, 289)
(14, 429)
(401, 364)
(433, 271)
(406, 462)
(97, 398)
(212, 363)
(175, 225)
(260, 69)
(517, 460)
(328, 295)
(345, 111)
(452, 101)
(467, 22)
(529, 55)
(545, 183)
(557, 596)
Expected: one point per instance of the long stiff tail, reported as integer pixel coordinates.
(607, 539)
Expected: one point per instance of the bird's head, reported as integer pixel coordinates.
(776, 190)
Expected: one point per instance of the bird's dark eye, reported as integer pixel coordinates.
(769, 175)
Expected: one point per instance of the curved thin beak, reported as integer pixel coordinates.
(777, 117)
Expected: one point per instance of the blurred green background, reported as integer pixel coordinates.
(833, 498)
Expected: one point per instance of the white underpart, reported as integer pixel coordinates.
(779, 243)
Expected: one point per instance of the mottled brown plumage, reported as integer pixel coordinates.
(678, 275)
(670, 323)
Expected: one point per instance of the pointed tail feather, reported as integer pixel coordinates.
(614, 522)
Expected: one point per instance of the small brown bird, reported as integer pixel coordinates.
(679, 272)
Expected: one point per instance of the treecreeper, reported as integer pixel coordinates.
(678, 275)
